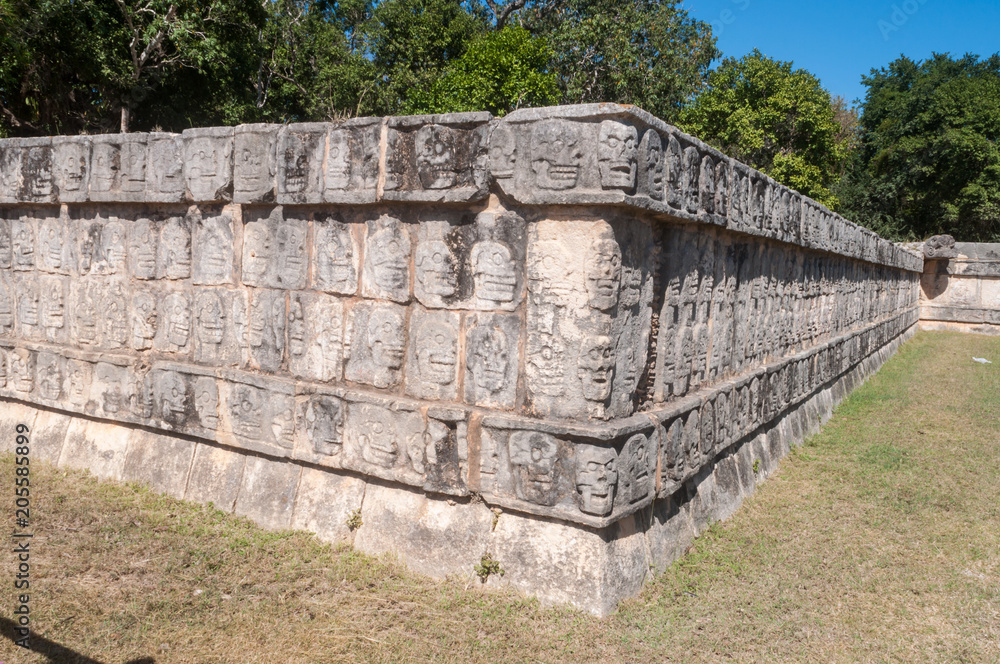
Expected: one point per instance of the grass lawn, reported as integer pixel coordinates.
(876, 541)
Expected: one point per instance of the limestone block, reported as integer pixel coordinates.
(300, 155)
(432, 359)
(254, 163)
(257, 414)
(670, 531)
(54, 255)
(433, 536)
(159, 461)
(319, 429)
(12, 414)
(174, 323)
(50, 372)
(71, 167)
(173, 256)
(110, 393)
(274, 250)
(79, 376)
(385, 442)
(579, 315)
(216, 476)
(265, 336)
(593, 484)
(559, 563)
(220, 322)
(375, 336)
(491, 359)
(34, 172)
(436, 157)
(10, 169)
(315, 336)
(352, 154)
(97, 446)
(6, 240)
(8, 303)
(165, 180)
(23, 243)
(267, 492)
(208, 163)
(325, 502)
(212, 251)
(335, 255)
(118, 167)
(387, 260)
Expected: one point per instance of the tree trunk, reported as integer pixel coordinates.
(124, 119)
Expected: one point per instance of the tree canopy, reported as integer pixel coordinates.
(775, 118)
(929, 159)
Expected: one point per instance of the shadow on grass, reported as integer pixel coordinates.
(56, 653)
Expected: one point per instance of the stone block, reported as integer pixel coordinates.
(71, 167)
(325, 502)
(267, 492)
(216, 476)
(161, 462)
(165, 182)
(352, 156)
(300, 155)
(13, 413)
(208, 163)
(436, 157)
(118, 167)
(99, 447)
(433, 536)
(564, 564)
(254, 163)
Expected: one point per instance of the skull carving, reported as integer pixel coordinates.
(596, 479)
(324, 420)
(178, 317)
(389, 256)
(436, 268)
(616, 155)
(377, 437)
(653, 164)
(604, 271)
(434, 146)
(556, 154)
(596, 366)
(385, 339)
(533, 457)
(143, 320)
(206, 402)
(436, 352)
(338, 161)
(211, 316)
(489, 358)
(493, 272)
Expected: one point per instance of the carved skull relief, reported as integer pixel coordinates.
(434, 148)
(533, 460)
(616, 155)
(596, 479)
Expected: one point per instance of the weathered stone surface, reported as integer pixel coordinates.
(433, 536)
(565, 313)
(159, 461)
(97, 446)
(325, 502)
(216, 476)
(940, 246)
(208, 163)
(267, 492)
(563, 564)
(11, 415)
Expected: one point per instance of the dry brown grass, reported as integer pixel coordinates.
(877, 541)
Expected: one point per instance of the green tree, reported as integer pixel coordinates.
(499, 72)
(410, 43)
(775, 118)
(929, 160)
(650, 53)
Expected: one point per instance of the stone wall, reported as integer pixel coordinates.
(569, 338)
(960, 287)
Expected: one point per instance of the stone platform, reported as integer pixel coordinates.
(562, 338)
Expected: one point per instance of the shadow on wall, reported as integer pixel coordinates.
(56, 653)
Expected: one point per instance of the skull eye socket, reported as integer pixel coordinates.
(593, 466)
(536, 454)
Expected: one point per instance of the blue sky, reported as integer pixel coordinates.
(839, 41)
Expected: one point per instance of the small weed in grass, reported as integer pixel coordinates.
(487, 567)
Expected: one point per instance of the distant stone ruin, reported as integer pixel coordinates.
(960, 287)
(569, 338)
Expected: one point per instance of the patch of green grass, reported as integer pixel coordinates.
(877, 541)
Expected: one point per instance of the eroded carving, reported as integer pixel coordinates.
(596, 479)
(533, 458)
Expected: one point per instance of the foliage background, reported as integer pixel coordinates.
(917, 157)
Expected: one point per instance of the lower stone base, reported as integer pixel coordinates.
(947, 326)
(555, 561)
